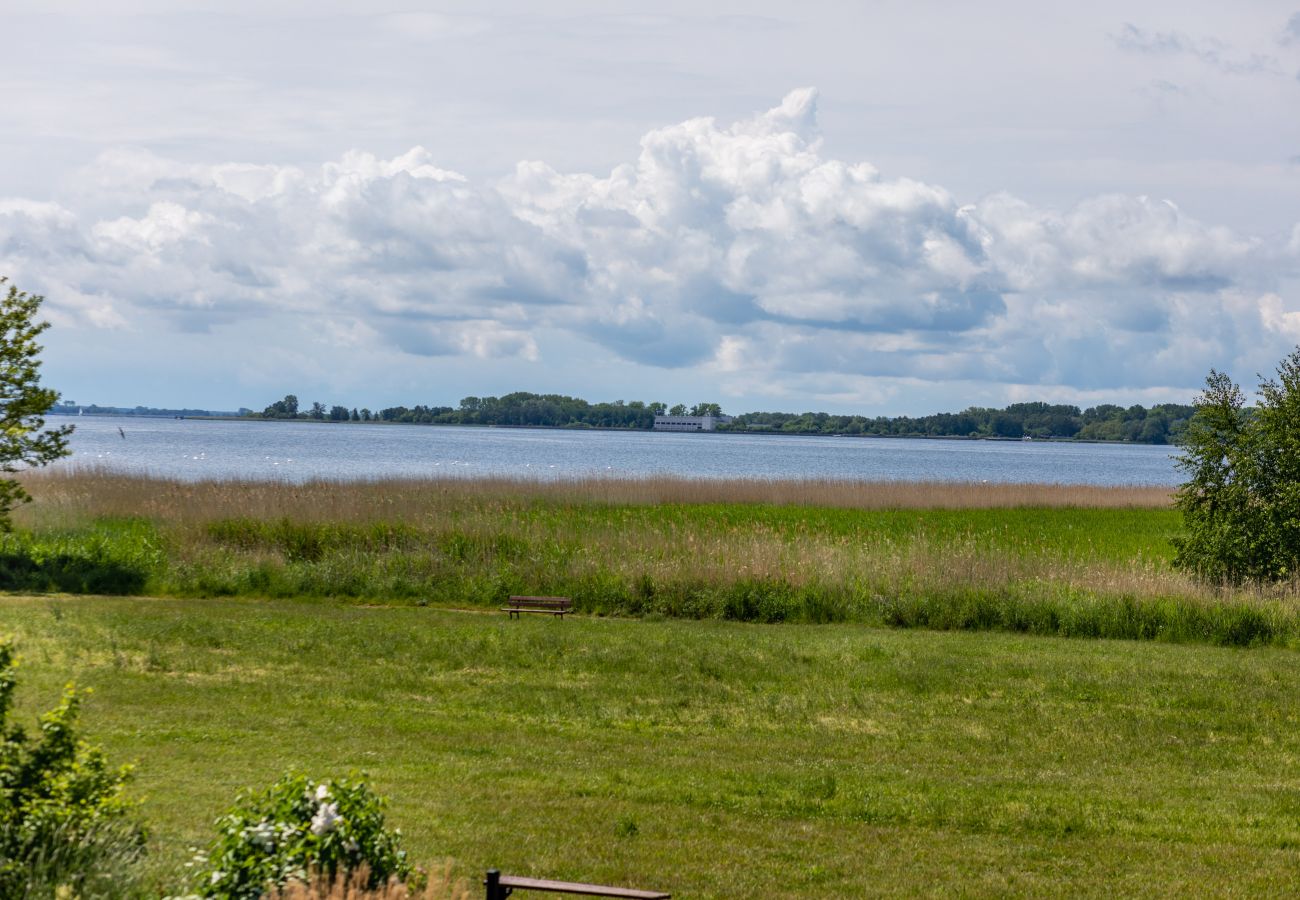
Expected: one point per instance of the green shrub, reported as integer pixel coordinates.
(114, 556)
(1241, 502)
(757, 600)
(64, 821)
(297, 828)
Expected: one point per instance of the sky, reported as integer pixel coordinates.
(886, 208)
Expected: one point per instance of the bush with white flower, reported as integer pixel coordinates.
(296, 829)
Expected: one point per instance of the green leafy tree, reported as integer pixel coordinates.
(282, 409)
(23, 402)
(1241, 502)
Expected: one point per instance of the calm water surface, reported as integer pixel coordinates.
(299, 451)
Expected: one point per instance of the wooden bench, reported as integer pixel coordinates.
(501, 886)
(555, 606)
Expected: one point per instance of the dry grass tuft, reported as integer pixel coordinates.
(440, 886)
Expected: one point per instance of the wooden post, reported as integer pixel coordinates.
(495, 890)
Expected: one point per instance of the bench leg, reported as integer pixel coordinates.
(495, 891)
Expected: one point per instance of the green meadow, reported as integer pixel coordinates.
(777, 689)
(708, 758)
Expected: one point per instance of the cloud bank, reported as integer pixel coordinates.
(740, 250)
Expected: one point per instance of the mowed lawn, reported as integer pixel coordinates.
(707, 758)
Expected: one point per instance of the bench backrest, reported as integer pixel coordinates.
(542, 602)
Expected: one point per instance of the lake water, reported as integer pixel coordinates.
(299, 451)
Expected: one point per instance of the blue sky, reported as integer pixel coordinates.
(884, 208)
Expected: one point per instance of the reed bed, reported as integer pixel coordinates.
(1038, 558)
(80, 493)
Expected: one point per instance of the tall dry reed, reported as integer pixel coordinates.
(63, 495)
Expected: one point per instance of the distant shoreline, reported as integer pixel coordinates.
(383, 423)
(1106, 423)
(127, 414)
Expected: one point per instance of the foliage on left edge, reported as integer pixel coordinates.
(65, 823)
(23, 402)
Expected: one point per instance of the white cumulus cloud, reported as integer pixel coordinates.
(744, 249)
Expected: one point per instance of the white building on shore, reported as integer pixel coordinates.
(689, 423)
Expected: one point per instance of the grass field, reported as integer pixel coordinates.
(1070, 561)
(709, 758)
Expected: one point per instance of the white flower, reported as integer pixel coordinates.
(325, 819)
(216, 876)
(352, 846)
(263, 834)
(322, 792)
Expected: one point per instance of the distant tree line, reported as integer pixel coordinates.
(1161, 424)
(517, 409)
